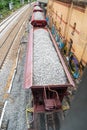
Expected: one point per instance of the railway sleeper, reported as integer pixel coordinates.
(4, 125)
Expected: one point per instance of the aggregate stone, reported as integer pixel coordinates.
(37, 8)
(47, 66)
(38, 16)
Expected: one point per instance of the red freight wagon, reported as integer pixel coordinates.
(38, 19)
(45, 73)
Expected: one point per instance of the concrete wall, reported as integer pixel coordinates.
(66, 16)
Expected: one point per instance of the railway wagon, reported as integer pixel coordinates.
(38, 19)
(45, 71)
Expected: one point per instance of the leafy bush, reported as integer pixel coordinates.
(1, 6)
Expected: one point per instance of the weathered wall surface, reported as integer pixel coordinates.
(72, 21)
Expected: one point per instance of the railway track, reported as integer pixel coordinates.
(50, 124)
(9, 44)
(13, 34)
(10, 19)
(46, 121)
(4, 24)
(50, 121)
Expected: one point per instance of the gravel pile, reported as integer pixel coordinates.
(47, 66)
(38, 16)
(37, 8)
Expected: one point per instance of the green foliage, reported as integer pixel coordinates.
(1, 6)
(4, 7)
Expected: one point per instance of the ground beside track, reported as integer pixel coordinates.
(15, 111)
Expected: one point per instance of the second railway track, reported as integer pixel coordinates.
(11, 18)
(13, 35)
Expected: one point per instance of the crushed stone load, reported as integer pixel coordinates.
(38, 16)
(47, 68)
(37, 8)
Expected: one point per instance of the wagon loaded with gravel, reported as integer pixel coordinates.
(38, 19)
(45, 73)
(37, 8)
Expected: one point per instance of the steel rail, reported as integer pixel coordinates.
(8, 35)
(12, 28)
(8, 18)
(10, 32)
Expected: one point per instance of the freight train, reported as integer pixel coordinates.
(38, 19)
(46, 73)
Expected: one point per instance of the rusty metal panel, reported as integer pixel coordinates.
(29, 61)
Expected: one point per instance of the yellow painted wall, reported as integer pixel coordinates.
(57, 8)
(70, 15)
(77, 17)
(83, 37)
